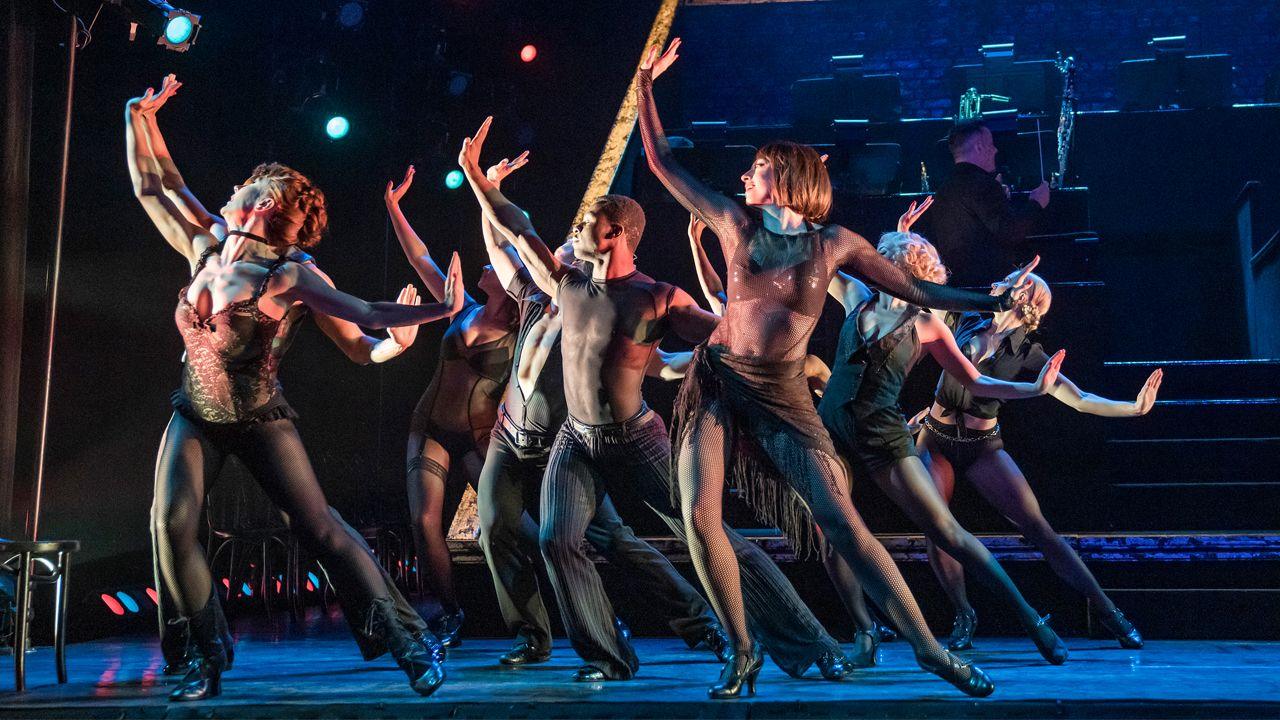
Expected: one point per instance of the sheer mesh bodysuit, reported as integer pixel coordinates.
(776, 287)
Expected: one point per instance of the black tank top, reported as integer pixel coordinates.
(233, 355)
(542, 408)
(868, 376)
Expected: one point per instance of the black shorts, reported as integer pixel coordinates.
(960, 445)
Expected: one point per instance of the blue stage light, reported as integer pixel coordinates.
(244, 588)
(127, 601)
(337, 127)
(178, 29)
(453, 180)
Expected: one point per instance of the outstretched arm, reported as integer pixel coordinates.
(414, 249)
(502, 256)
(941, 344)
(708, 278)
(360, 348)
(297, 284)
(174, 186)
(510, 220)
(689, 321)
(724, 216)
(181, 233)
(857, 256)
(1066, 391)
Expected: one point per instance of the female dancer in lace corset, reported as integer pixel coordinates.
(960, 437)
(452, 422)
(746, 397)
(880, 342)
(250, 285)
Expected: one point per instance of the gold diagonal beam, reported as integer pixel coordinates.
(625, 121)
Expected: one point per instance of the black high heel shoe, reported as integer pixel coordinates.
(446, 627)
(421, 659)
(741, 669)
(962, 629)
(1125, 632)
(204, 675)
(965, 677)
(1048, 643)
(866, 646)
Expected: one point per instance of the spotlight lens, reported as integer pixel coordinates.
(350, 14)
(453, 180)
(178, 30)
(337, 127)
(528, 53)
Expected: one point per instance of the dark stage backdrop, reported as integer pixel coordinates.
(244, 101)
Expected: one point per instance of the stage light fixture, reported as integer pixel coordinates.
(337, 127)
(127, 601)
(453, 179)
(180, 27)
(528, 53)
(112, 604)
(351, 14)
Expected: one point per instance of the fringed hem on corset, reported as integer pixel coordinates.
(277, 409)
(757, 401)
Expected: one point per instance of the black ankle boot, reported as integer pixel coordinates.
(966, 677)
(421, 659)
(447, 626)
(175, 647)
(717, 641)
(204, 676)
(740, 670)
(224, 632)
(866, 645)
(962, 629)
(834, 665)
(1048, 643)
(1125, 632)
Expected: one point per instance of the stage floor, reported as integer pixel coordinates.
(323, 677)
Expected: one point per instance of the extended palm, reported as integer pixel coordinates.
(151, 101)
(1049, 374)
(407, 334)
(1147, 395)
(394, 192)
(912, 214)
(505, 167)
(658, 64)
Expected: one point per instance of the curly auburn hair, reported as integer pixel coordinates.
(913, 253)
(800, 179)
(301, 216)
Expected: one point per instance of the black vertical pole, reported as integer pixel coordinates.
(55, 275)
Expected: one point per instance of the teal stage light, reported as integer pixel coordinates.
(453, 180)
(337, 127)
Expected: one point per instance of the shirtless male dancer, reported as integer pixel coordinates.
(612, 318)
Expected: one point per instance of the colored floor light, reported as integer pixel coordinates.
(528, 53)
(178, 29)
(155, 596)
(337, 127)
(127, 600)
(453, 179)
(112, 604)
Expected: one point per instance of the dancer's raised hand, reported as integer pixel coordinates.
(151, 101)
(1049, 373)
(1147, 395)
(658, 63)
(696, 227)
(406, 334)
(453, 292)
(394, 192)
(913, 213)
(505, 167)
(469, 156)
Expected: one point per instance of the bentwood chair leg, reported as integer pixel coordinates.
(20, 622)
(60, 615)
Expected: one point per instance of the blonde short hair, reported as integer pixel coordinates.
(913, 253)
(1032, 303)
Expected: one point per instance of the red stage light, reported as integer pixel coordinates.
(113, 604)
(155, 597)
(528, 53)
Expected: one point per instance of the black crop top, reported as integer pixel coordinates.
(1015, 355)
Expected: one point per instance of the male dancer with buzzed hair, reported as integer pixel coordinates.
(612, 318)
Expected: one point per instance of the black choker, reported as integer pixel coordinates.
(249, 235)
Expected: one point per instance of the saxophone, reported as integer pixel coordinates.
(1066, 118)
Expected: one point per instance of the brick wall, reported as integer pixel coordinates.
(738, 61)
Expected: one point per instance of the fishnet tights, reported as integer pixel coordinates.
(701, 465)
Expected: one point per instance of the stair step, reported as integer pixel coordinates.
(1188, 459)
(1196, 506)
(1207, 419)
(1196, 379)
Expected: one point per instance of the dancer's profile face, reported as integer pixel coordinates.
(758, 182)
(590, 237)
(248, 200)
